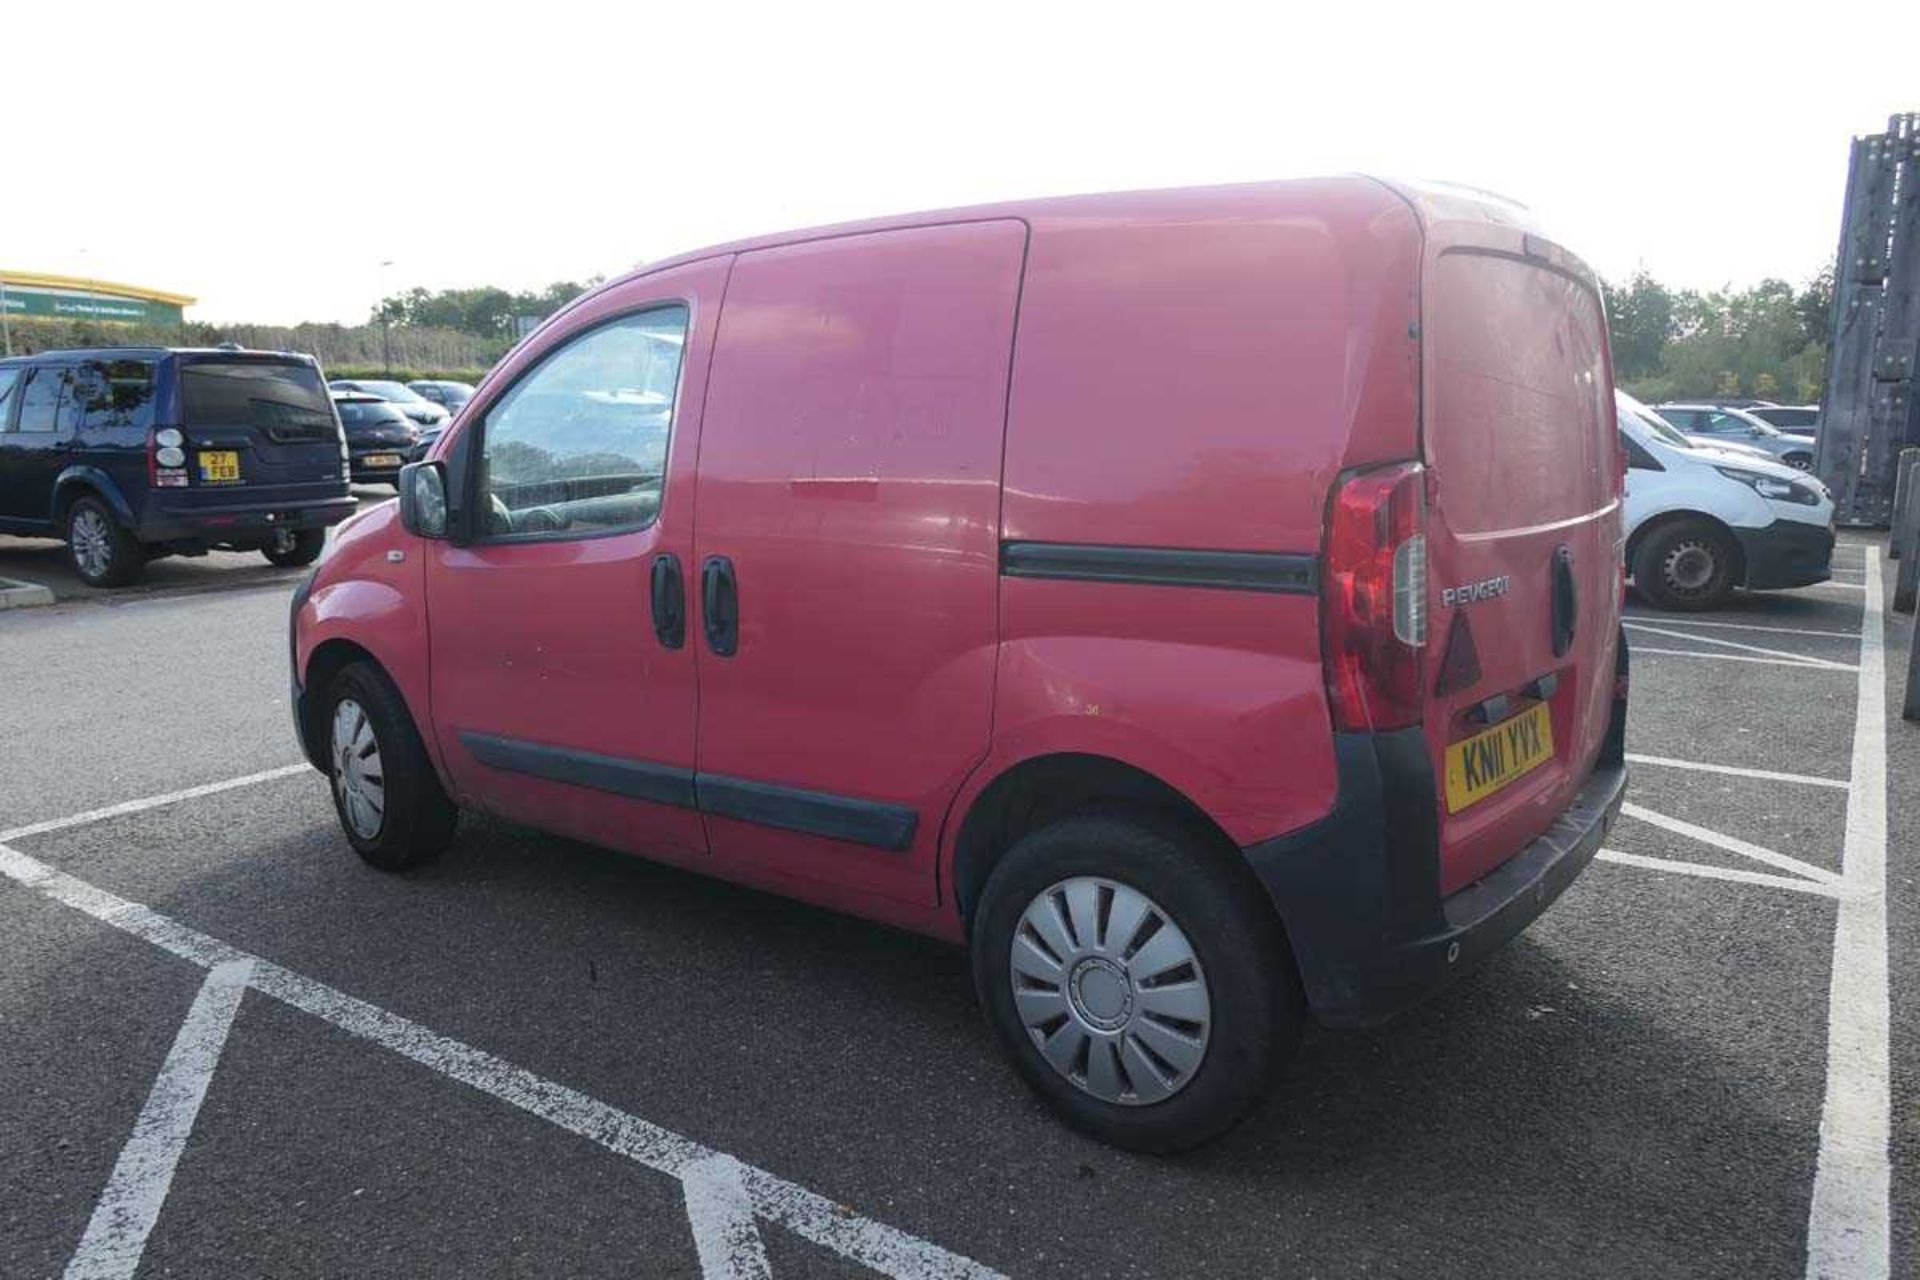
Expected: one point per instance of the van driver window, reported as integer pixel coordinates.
(579, 445)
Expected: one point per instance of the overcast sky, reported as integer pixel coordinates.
(267, 158)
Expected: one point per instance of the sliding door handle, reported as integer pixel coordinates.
(720, 605)
(669, 601)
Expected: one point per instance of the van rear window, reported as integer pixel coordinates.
(1517, 421)
(287, 401)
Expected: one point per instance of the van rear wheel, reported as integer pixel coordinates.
(103, 553)
(389, 800)
(1140, 988)
(1686, 565)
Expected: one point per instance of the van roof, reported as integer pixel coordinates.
(1349, 198)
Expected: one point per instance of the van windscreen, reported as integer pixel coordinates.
(287, 401)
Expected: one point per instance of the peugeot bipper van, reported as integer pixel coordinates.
(1204, 605)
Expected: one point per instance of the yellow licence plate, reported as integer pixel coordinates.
(220, 466)
(381, 460)
(1481, 765)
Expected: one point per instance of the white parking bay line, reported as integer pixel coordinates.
(721, 1214)
(1848, 1224)
(116, 1235)
(813, 1216)
(151, 802)
(1737, 771)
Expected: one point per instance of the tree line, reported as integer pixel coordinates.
(485, 311)
(1767, 342)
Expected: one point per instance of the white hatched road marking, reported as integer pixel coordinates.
(1707, 871)
(117, 1233)
(1718, 643)
(1705, 835)
(722, 1240)
(1671, 621)
(1737, 771)
(1848, 1226)
(1736, 657)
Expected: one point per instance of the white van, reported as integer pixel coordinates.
(1702, 520)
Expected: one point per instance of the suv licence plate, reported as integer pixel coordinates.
(1489, 760)
(220, 466)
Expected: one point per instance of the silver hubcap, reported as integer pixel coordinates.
(92, 542)
(1111, 991)
(1690, 567)
(357, 776)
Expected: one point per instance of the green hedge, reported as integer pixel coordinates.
(369, 372)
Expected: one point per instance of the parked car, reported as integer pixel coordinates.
(423, 442)
(380, 438)
(1713, 424)
(451, 396)
(1703, 520)
(134, 453)
(421, 410)
(1798, 419)
(1277, 676)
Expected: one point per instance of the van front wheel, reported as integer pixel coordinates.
(389, 800)
(1686, 565)
(1139, 987)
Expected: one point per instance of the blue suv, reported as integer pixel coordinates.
(139, 452)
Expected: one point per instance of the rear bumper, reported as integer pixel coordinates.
(1786, 553)
(1359, 891)
(240, 522)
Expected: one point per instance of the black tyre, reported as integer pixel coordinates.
(388, 798)
(104, 554)
(1141, 987)
(1799, 461)
(295, 546)
(1689, 564)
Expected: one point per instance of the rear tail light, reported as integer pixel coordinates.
(1374, 598)
(166, 460)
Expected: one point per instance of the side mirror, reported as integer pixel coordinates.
(423, 499)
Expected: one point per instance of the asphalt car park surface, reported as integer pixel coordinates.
(541, 1058)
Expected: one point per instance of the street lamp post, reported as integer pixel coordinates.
(386, 322)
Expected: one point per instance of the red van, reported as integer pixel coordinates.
(1204, 604)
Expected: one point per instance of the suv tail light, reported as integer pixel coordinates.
(166, 459)
(1373, 607)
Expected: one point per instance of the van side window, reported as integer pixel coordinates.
(40, 400)
(579, 445)
(114, 393)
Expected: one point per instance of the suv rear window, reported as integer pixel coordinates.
(287, 401)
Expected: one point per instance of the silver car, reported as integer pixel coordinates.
(1712, 424)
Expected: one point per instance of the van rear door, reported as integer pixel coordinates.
(1524, 549)
(258, 422)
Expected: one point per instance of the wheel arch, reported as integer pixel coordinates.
(326, 661)
(1683, 515)
(1039, 790)
(80, 481)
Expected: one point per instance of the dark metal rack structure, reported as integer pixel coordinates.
(1870, 411)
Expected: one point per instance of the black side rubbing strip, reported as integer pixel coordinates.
(1286, 572)
(637, 778)
(868, 822)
